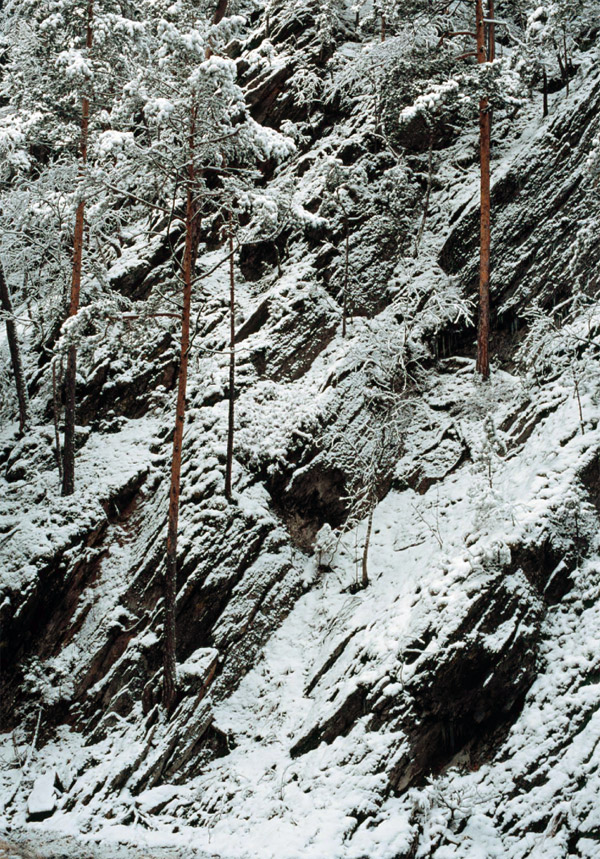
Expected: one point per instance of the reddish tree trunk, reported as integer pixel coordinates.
(56, 381)
(346, 273)
(483, 333)
(491, 33)
(220, 11)
(15, 353)
(68, 477)
(218, 16)
(231, 419)
(170, 581)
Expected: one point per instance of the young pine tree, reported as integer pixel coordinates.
(196, 129)
(494, 85)
(68, 466)
(66, 58)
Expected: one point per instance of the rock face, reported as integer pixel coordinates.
(458, 695)
(541, 203)
(452, 705)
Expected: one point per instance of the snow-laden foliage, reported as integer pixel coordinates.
(387, 635)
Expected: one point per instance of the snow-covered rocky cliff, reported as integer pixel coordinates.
(449, 710)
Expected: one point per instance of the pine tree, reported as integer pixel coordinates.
(189, 259)
(495, 85)
(554, 27)
(231, 403)
(195, 125)
(68, 469)
(56, 77)
(483, 330)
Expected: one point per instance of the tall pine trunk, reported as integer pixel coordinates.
(491, 32)
(231, 417)
(483, 332)
(220, 12)
(56, 380)
(15, 353)
(170, 581)
(68, 477)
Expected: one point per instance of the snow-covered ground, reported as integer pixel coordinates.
(429, 553)
(500, 468)
(46, 845)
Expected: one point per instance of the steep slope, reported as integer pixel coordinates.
(450, 708)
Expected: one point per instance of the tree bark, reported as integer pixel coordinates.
(220, 11)
(346, 272)
(231, 418)
(365, 556)
(15, 353)
(483, 332)
(56, 381)
(68, 478)
(218, 16)
(491, 33)
(170, 581)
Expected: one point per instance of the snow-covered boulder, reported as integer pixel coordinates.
(42, 799)
(153, 800)
(196, 671)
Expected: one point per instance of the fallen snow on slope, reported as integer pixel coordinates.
(259, 801)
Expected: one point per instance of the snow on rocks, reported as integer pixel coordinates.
(447, 710)
(42, 799)
(198, 669)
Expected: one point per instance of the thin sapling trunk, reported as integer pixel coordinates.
(15, 353)
(231, 416)
(56, 382)
(365, 555)
(170, 582)
(561, 65)
(491, 32)
(578, 395)
(346, 272)
(566, 61)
